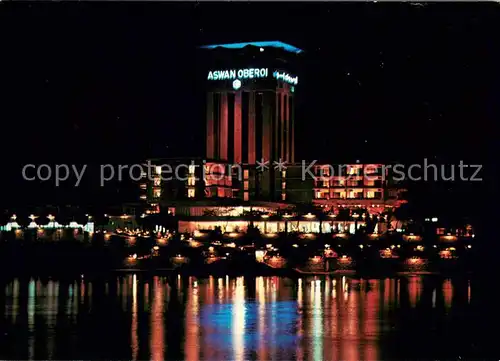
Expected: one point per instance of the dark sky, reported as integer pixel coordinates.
(115, 82)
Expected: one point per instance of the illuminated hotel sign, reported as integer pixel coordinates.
(250, 73)
(238, 74)
(287, 78)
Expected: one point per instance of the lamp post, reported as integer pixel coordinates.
(265, 217)
(286, 216)
(332, 216)
(51, 219)
(355, 216)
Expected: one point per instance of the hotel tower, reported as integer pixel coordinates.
(250, 106)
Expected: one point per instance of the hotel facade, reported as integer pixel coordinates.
(249, 162)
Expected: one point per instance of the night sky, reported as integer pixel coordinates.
(100, 83)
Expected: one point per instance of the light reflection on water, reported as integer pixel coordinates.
(262, 318)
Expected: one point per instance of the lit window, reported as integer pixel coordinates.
(156, 193)
(352, 194)
(245, 196)
(371, 169)
(325, 183)
(283, 196)
(191, 169)
(245, 174)
(143, 197)
(143, 186)
(156, 181)
(191, 181)
(245, 185)
(370, 194)
(283, 185)
(191, 193)
(369, 182)
(158, 169)
(283, 174)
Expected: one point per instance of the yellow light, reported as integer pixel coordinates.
(156, 248)
(296, 245)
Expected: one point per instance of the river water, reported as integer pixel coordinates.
(138, 317)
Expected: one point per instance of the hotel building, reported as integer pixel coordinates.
(250, 128)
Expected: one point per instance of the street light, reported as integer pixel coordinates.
(355, 216)
(286, 216)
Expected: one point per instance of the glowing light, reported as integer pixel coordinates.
(415, 261)
(236, 84)
(259, 255)
(434, 219)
